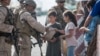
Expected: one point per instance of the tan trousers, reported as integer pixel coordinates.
(5, 48)
(25, 49)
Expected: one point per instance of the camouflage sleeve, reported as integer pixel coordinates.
(27, 16)
(4, 27)
(32, 22)
(3, 14)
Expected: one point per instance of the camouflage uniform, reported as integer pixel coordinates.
(16, 15)
(25, 23)
(33, 14)
(5, 27)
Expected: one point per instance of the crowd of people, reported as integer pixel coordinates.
(17, 26)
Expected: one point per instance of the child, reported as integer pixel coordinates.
(70, 28)
(53, 47)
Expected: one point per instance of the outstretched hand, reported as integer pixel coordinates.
(62, 37)
(83, 29)
(53, 40)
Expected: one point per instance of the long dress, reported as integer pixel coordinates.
(54, 49)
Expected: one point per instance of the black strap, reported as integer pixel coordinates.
(5, 34)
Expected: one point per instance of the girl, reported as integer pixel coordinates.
(70, 28)
(53, 47)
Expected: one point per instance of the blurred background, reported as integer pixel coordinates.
(44, 5)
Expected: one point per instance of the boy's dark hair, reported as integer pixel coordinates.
(52, 13)
(71, 16)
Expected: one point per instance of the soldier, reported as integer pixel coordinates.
(59, 9)
(5, 28)
(33, 14)
(16, 11)
(16, 14)
(25, 23)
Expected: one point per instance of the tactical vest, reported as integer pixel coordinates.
(23, 26)
(8, 20)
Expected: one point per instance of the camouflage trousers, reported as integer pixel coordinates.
(5, 48)
(25, 48)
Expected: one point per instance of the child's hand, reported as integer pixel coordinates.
(53, 40)
(62, 37)
(82, 29)
(50, 29)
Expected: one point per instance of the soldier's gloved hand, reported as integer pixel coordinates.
(43, 37)
(46, 28)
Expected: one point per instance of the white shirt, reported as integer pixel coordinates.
(71, 41)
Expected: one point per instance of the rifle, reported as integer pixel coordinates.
(15, 38)
(39, 42)
(14, 34)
